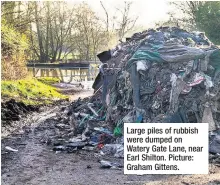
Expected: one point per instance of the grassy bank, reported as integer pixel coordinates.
(31, 91)
(49, 80)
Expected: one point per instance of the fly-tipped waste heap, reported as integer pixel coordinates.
(165, 75)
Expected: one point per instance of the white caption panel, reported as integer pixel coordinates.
(166, 148)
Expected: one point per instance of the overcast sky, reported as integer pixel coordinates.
(148, 11)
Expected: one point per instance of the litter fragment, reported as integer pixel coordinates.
(59, 148)
(11, 149)
(207, 118)
(141, 65)
(108, 164)
(214, 146)
(90, 107)
(113, 149)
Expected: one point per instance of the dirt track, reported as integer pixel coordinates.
(35, 162)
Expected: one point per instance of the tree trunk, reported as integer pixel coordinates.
(42, 58)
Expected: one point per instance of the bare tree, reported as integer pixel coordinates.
(107, 17)
(56, 29)
(53, 30)
(189, 9)
(90, 35)
(126, 23)
(123, 21)
(39, 33)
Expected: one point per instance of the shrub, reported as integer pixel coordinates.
(14, 49)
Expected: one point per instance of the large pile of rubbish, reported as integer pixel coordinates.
(167, 75)
(164, 75)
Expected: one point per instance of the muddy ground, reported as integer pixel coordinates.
(36, 163)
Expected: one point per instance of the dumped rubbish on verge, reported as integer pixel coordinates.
(164, 75)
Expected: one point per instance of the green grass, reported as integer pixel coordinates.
(31, 91)
(48, 80)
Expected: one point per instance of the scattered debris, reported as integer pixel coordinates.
(214, 147)
(156, 76)
(112, 165)
(11, 149)
(116, 150)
